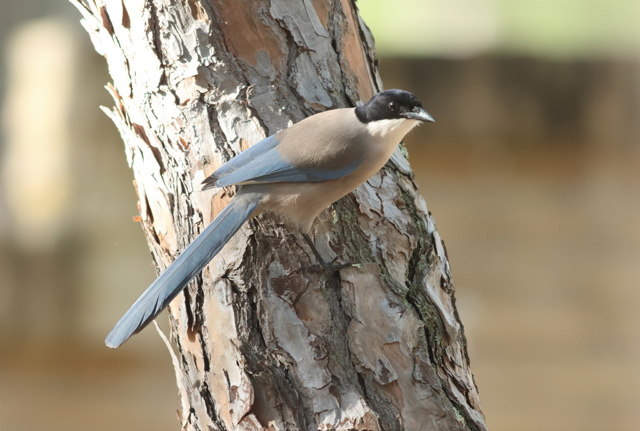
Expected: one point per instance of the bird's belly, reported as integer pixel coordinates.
(301, 203)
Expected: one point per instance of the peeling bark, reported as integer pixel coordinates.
(263, 341)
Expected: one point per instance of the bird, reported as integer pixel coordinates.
(295, 173)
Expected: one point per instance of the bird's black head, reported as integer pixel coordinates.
(391, 105)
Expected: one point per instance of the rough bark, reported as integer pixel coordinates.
(263, 341)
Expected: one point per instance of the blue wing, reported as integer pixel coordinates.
(271, 168)
(263, 163)
(240, 160)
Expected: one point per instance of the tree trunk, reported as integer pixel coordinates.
(264, 341)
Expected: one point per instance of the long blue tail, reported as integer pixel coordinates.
(171, 282)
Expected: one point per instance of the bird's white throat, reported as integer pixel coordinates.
(391, 129)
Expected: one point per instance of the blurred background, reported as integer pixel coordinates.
(532, 172)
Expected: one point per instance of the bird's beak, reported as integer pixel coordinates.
(419, 114)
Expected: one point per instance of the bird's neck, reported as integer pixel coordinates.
(386, 134)
(391, 131)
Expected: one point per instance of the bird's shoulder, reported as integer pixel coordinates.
(326, 123)
(330, 138)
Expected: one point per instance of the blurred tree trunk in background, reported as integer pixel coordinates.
(263, 341)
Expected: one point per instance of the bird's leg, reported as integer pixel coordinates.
(264, 229)
(315, 251)
(330, 267)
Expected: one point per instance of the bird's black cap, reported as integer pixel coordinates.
(390, 105)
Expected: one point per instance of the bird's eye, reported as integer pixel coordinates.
(393, 106)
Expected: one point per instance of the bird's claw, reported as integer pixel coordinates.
(331, 267)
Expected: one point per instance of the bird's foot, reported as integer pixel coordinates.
(331, 267)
